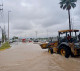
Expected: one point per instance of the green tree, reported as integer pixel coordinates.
(2, 35)
(68, 4)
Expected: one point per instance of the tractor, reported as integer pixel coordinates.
(67, 44)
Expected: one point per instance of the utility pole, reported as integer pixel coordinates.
(36, 34)
(8, 25)
(1, 9)
(47, 33)
(47, 36)
(2, 34)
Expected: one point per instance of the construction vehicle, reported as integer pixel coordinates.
(65, 45)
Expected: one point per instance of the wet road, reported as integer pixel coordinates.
(30, 57)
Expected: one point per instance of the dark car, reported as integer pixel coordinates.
(35, 40)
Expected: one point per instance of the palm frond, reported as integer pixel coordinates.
(73, 0)
(61, 6)
(67, 4)
(63, 2)
(73, 5)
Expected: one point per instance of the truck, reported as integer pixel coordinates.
(67, 44)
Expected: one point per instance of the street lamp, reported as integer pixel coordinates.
(8, 25)
(0, 41)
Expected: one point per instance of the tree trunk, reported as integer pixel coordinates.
(69, 20)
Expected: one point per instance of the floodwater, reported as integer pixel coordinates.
(30, 57)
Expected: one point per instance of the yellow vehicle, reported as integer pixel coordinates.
(44, 45)
(67, 44)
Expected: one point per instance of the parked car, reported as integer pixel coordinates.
(35, 40)
(10, 41)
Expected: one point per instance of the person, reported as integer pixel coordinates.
(68, 37)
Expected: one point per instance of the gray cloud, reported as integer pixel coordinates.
(37, 15)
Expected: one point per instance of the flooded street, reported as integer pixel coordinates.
(30, 57)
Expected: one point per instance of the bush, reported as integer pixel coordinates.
(5, 45)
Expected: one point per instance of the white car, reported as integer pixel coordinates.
(10, 41)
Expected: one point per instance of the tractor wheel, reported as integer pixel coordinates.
(50, 50)
(65, 51)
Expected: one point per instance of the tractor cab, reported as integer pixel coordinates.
(68, 36)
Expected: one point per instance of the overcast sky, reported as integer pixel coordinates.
(43, 16)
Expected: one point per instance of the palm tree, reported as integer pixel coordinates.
(68, 4)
